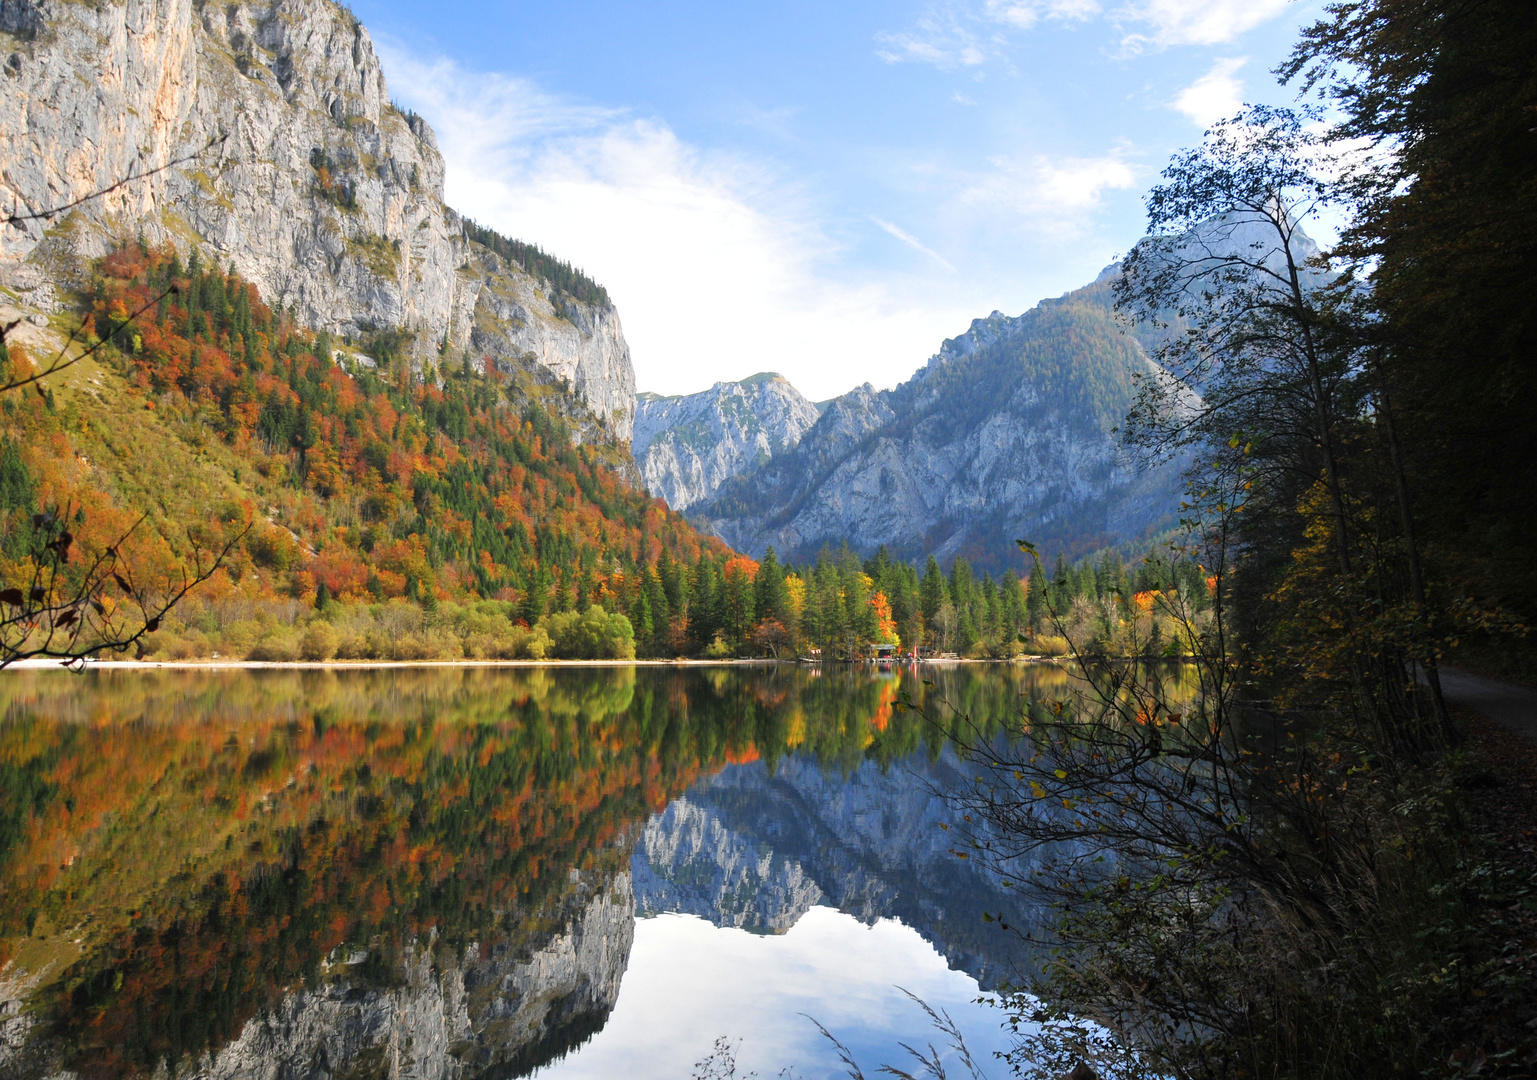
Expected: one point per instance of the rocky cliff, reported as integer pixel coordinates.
(1009, 432)
(262, 134)
(686, 447)
(755, 849)
(493, 1011)
(689, 861)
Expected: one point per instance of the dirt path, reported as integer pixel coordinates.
(1495, 1028)
(1510, 706)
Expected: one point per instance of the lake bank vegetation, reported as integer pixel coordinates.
(365, 511)
(368, 512)
(184, 851)
(1291, 876)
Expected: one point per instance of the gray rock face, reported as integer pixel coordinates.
(1007, 433)
(753, 849)
(298, 172)
(688, 446)
(688, 861)
(492, 1013)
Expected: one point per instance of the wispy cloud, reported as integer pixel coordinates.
(1162, 23)
(948, 35)
(719, 267)
(1024, 14)
(913, 242)
(957, 34)
(1214, 95)
(1056, 195)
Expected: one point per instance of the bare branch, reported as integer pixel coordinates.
(62, 361)
(50, 617)
(16, 220)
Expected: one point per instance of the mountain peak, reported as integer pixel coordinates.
(687, 446)
(1007, 432)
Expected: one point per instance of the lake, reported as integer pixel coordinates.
(430, 872)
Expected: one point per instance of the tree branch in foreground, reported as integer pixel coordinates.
(104, 605)
(15, 219)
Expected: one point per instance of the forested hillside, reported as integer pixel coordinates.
(391, 514)
(382, 514)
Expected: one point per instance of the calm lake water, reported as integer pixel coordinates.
(573, 872)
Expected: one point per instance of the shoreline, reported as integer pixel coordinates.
(38, 664)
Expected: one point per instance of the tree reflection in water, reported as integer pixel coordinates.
(426, 866)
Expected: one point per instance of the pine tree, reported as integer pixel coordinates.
(672, 580)
(641, 617)
(933, 592)
(769, 599)
(1035, 602)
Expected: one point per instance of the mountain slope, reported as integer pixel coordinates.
(1007, 433)
(312, 185)
(686, 447)
(756, 848)
(371, 496)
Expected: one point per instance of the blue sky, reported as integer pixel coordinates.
(823, 190)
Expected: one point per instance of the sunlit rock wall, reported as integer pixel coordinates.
(688, 446)
(321, 192)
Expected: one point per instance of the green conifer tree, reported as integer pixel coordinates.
(933, 592)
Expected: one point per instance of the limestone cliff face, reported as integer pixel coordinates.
(1007, 433)
(316, 188)
(686, 447)
(493, 1013)
(755, 849)
(688, 861)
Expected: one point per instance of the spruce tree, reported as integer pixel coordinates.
(642, 620)
(769, 601)
(1035, 601)
(932, 592)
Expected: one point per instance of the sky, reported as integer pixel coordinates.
(823, 190)
(687, 983)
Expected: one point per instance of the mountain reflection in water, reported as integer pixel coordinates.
(436, 872)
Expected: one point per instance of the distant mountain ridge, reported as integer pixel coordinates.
(756, 848)
(687, 446)
(1008, 432)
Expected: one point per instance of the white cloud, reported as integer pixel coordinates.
(954, 34)
(1193, 22)
(958, 34)
(1056, 195)
(945, 36)
(913, 242)
(1026, 13)
(1216, 94)
(718, 268)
